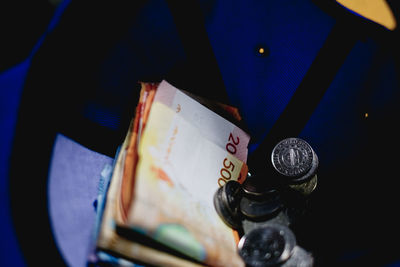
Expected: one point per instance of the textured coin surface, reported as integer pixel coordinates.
(258, 186)
(306, 188)
(231, 195)
(267, 246)
(260, 209)
(226, 202)
(292, 157)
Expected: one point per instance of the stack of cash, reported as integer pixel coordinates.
(155, 204)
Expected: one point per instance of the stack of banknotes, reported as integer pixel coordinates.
(155, 204)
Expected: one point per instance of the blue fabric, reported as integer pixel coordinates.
(11, 86)
(262, 86)
(73, 187)
(11, 82)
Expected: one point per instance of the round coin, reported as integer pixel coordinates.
(267, 246)
(292, 157)
(306, 188)
(257, 210)
(309, 175)
(231, 195)
(226, 202)
(258, 186)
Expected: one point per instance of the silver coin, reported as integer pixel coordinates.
(306, 188)
(257, 210)
(231, 195)
(258, 186)
(226, 202)
(309, 175)
(267, 246)
(299, 258)
(292, 157)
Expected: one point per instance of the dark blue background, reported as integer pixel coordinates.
(260, 86)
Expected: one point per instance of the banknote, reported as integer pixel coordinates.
(176, 153)
(210, 124)
(134, 251)
(228, 112)
(105, 177)
(109, 240)
(133, 138)
(177, 174)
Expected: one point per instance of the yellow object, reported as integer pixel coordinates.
(375, 10)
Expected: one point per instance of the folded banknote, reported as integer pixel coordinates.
(159, 208)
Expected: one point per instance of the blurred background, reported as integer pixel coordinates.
(72, 67)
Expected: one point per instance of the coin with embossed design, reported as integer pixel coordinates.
(226, 203)
(293, 157)
(267, 246)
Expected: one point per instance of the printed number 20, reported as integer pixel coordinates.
(231, 147)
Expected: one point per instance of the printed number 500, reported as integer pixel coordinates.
(228, 166)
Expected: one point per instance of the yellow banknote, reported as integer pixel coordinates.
(178, 172)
